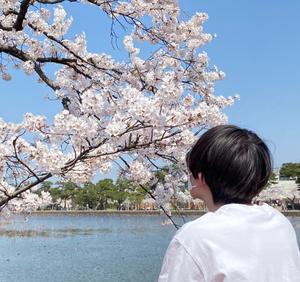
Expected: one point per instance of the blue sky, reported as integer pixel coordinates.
(257, 46)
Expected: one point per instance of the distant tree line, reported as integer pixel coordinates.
(290, 171)
(105, 194)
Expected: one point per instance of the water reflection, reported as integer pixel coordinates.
(137, 230)
(57, 233)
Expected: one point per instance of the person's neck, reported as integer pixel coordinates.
(207, 197)
(212, 207)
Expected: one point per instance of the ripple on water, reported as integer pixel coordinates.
(58, 233)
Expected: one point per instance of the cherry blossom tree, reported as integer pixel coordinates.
(283, 190)
(138, 114)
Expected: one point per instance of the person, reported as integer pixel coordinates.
(235, 240)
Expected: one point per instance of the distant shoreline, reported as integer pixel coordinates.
(291, 213)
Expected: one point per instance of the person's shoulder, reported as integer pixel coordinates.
(235, 217)
(198, 226)
(277, 216)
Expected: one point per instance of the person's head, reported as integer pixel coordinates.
(233, 162)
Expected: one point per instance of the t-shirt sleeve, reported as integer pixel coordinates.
(178, 265)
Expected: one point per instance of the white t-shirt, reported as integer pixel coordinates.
(236, 243)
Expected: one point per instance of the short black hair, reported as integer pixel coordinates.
(235, 163)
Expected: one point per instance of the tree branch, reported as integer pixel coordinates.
(21, 16)
(177, 226)
(17, 193)
(24, 57)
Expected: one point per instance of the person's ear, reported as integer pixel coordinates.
(201, 179)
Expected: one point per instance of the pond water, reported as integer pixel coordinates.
(68, 248)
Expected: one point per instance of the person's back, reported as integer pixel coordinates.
(236, 241)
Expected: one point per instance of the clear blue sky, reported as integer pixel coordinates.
(257, 45)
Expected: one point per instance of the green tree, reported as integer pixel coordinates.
(121, 192)
(104, 189)
(65, 191)
(46, 186)
(126, 189)
(136, 197)
(290, 170)
(101, 195)
(95, 196)
(272, 180)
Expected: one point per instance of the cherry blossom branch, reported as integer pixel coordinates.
(3, 202)
(24, 57)
(177, 226)
(21, 15)
(148, 109)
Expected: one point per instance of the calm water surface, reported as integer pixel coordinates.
(108, 248)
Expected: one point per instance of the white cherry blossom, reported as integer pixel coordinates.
(137, 113)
